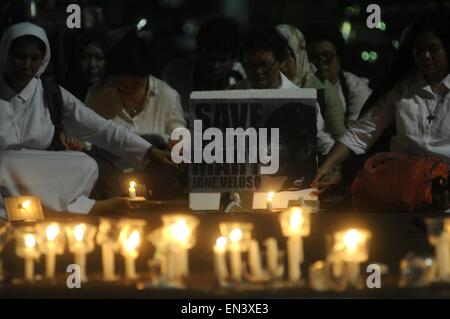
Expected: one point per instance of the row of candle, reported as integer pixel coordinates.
(348, 250)
(124, 235)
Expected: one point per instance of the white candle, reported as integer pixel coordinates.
(269, 201)
(294, 244)
(172, 268)
(130, 245)
(29, 255)
(254, 259)
(50, 261)
(132, 189)
(272, 255)
(183, 262)
(220, 264)
(235, 251)
(443, 256)
(80, 260)
(108, 261)
(51, 234)
(354, 274)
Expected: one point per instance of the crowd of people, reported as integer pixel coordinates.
(111, 108)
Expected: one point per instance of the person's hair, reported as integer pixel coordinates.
(129, 56)
(218, 34)
(28, 39)
(265, 39)
(327, 32)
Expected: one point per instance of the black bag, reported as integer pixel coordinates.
(54, 102)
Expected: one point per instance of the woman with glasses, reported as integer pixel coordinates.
(263, 56)
(297, 68)
(326, 48)
(414, 96)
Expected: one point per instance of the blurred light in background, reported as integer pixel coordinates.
(346, 30)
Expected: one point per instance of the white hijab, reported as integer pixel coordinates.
(297, 43)
(18, 30)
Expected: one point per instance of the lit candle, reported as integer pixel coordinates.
(254, 259)
(132, 189)
(235, 251)
(439, 237)
(108, 237)
(52, 243)
(81, 242)
(130, 246)
(80, 252)
(179, 237)
(269, 201)
(443, 256)
(238, 237)
(130, 241)
(29, 253)
(295, 225)
(220, 264)
(272, 256)
(352, 246)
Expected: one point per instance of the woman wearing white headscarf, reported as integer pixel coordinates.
(298, 69)
(62, 180)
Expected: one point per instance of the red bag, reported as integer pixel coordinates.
(393, 181)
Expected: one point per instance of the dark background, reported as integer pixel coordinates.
(174, 23)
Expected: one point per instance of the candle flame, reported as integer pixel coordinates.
(132, 184)
(52, 232)
(26, 204)
(236, 235)
(221, 243)
(180, 231)
(296, 219)
(78, 232)
(270, 196)
(30, 240)
(352, 238)
(132, 242)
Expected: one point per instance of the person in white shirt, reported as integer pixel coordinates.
(133, 98)
(130, 96)
(263, 54)
(326, 49)
(415, 98)
(62, 180)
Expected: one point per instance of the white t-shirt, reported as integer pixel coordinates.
(409, 104)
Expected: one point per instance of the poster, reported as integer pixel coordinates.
(252, 140)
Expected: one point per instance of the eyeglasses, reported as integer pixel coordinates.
(325, 57)
(263, 66)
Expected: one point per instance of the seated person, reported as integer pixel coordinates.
(326, 49)
(133, 98)
(415, 98)
(213, 68)
(298, 70)
(88, 66)
(263, 54)
(62, 180)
